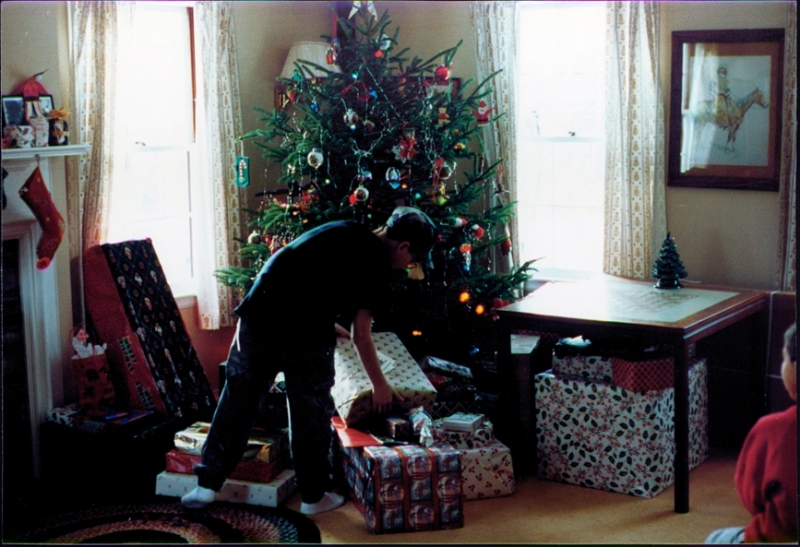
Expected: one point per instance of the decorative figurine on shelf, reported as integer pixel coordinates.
(59, 128)
(668, 268)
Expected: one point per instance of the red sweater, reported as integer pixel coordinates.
(766, 478)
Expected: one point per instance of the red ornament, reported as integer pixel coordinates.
(441, 75)
(477, 231)
(505, 247)
(405, 150)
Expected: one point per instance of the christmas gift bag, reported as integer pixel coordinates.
(352, 391)
(91, 372)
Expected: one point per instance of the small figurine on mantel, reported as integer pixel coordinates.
(668, 268)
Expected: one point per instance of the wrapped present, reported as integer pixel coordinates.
(483, 435)
(487, 471)
(97, 420)
(405, 488)
(352, 391)
(399, 428)
(446, 368)
(270, 494)
(463, 421)
(599, 435)
(643, 373)
(579, 358)
(442, 409)
(261, 446)
(246, 470)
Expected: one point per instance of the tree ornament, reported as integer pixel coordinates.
(505, 247)
(393, 177)
(351, 119)
(315, 158)
(405, 150)
(482, 114)
(386, 43)
(255, 238)
(369, 125)
(477, 231)
(443, 118)
(359, 195)
(466, 256)
(441, 74)
(455, 222)
(668, 268)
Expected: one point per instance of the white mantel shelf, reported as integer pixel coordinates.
(45, 151)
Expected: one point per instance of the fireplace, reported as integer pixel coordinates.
(36, 365)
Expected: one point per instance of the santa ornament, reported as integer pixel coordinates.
(36, 195)
(482, 114)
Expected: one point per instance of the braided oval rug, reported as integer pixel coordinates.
(170, 522)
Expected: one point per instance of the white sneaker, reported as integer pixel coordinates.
(198, 498)
(329, 502)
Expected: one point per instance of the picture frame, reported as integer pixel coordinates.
(46, 103)
(726, 105)
(13, 110)
(33, 109)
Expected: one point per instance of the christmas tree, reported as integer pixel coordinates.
(383, 131)
(668, 268)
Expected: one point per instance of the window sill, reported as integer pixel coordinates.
(547, 275)
(183, 302)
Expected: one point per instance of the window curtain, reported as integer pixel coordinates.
(223, 125)
(93, 51)
(635, 204)
(786, 271)
(493, 24)
(95, 29)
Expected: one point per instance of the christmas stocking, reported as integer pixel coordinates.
(36, 195)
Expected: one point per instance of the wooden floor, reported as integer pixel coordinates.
(542, 512)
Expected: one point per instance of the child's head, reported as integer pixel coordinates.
(789, 367)
(408, 224)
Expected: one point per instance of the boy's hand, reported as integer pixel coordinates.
(383, 395)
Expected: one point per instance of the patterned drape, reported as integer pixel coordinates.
(786, 271)
(223, 124)
(635, 205)
(495, 43)
(92, 56)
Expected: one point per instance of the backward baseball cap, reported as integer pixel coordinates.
(415, 227)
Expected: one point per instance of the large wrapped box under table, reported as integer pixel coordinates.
(352, 392)
(405, 488)
(153, 363)
(600, 435)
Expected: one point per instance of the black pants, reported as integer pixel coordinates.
(255, 357)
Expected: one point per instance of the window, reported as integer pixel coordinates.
(152, 195)
(561, 136)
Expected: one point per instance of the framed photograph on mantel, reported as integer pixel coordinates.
(725, 109)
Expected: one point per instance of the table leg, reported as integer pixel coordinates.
(681, 372)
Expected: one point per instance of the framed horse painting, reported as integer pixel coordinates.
(726, 109)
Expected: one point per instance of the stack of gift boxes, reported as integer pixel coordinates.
(260, 478)
(411, 472)
(605, 418)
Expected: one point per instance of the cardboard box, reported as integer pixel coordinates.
(483, 435)
(270, 494)
(599, 435)
(405, 488)
(352, 392)
(246, 470)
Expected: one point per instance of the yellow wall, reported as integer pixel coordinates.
(723, 236)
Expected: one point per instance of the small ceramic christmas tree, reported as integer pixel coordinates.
(668, 268)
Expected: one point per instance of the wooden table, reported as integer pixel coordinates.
(608, 307)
